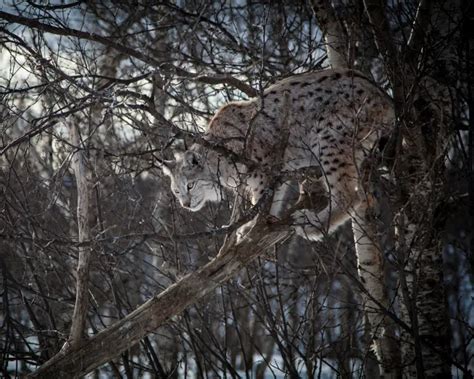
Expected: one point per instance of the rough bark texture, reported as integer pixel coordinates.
(426, 346)
(155, 312)
(85, 62)
(432, 321)
(81, 359)
(423, 305)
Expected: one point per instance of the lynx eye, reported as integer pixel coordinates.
(191, 185)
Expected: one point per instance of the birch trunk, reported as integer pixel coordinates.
(426, 345)
(419, 171)
(369, 255)
(333, 32)
(370, 265)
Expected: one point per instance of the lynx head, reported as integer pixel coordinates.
(192, 182)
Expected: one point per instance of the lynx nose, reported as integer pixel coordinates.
(186, 203)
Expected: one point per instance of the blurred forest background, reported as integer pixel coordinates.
(92, 93)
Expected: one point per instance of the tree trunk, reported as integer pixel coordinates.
(83, 263)
(333, 32)
(369, 255)
(370, 264)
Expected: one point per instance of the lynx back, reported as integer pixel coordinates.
(336, 117)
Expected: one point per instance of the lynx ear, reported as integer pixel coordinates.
(179, 150)
(178, 155)
(192, 158)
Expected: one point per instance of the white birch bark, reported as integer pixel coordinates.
(369, 255)
(370, 266)
(425, 345)
(333, 31)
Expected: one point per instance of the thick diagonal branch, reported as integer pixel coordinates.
(158, 310)
(82, 358)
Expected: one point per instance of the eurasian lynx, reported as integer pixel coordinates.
(335, 118)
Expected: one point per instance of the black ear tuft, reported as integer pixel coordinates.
(192, 158)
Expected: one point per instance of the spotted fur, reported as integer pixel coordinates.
(335, 118)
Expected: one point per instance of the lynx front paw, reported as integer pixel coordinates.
(244, 230)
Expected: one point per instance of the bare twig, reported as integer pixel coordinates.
(224, 79)
(158, 310)
(111, 43)
(64, 31)
(420, 29)
(386, 46)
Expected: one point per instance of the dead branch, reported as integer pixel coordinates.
(158, 310)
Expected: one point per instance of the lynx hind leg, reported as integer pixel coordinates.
(341, 187)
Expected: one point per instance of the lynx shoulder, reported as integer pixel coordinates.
(335, 118)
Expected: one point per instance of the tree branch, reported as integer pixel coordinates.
(64, 31)
(158, 310)
(226, 79)
(419, 30)
(386, 46)
(106, 41)
(79, 360)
